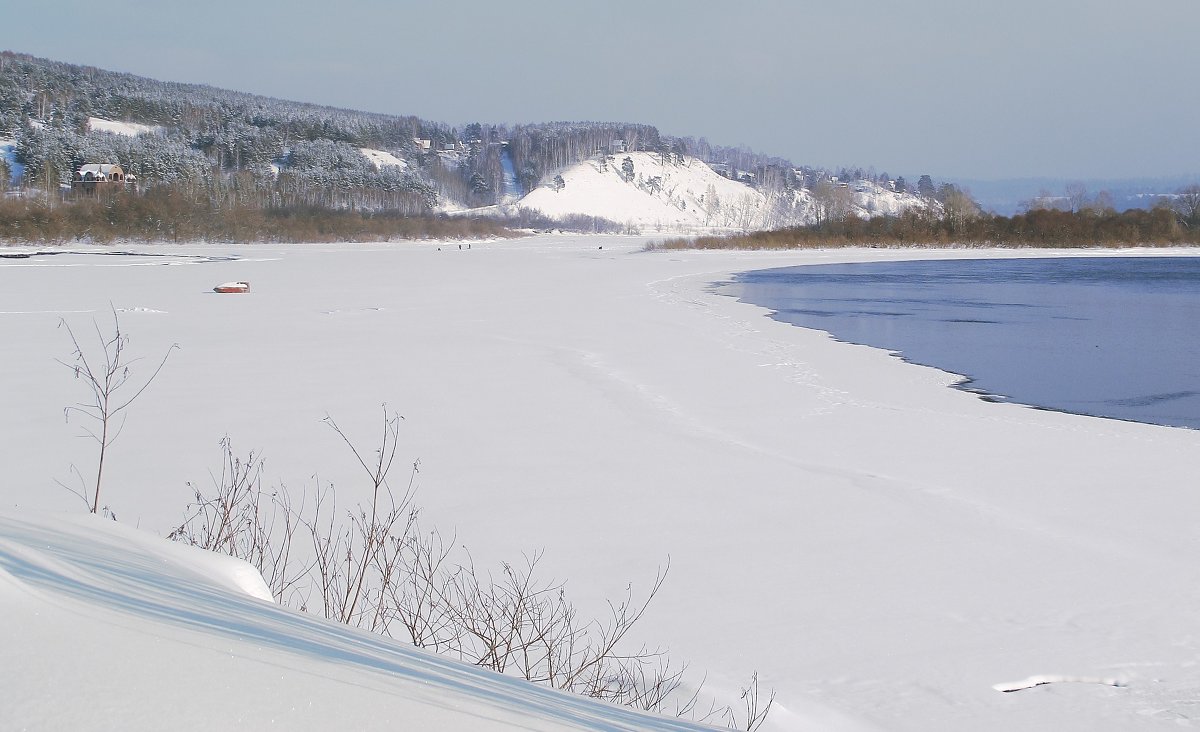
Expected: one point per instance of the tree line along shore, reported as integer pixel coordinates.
(169, 214)
(166, 214)
(1164, 225)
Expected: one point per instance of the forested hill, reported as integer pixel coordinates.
(269, 152)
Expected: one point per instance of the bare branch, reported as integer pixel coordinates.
(105, 388)
(374, 567)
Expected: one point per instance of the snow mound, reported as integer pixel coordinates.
(129, 129)
(107, 619)
(1043, 679)
(380, 158)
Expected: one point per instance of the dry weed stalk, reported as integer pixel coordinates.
(106, 374)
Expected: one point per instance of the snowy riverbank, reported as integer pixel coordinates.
(882, 549)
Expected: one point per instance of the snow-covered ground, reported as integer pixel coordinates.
(108, 627)
(689, 198)
(887, 552)
(129, 129)
(381, 158)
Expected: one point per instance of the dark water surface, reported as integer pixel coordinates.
(1111, 337)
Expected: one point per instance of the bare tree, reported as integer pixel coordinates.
(957, 206)
(1101, 204)
(755, 707)
(1043, 201)
(831, 202)
(106, 374)
(1187, 205)
(712, 204)
(358, 563)
(1077, 195)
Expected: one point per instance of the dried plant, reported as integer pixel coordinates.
(376, 568)
(106, 373)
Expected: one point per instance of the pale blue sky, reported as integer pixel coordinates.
(1062, 88)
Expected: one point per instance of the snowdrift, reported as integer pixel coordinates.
(107, 627)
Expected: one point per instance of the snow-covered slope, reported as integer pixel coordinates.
(380, 158)
(129, 129)
(107, 627)
(683, 196)
(690, 197)
(871, 199)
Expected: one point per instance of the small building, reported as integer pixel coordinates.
(93, 175)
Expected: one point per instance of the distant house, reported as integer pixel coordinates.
(93, 175)
(423, 144)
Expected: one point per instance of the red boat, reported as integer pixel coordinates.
(233, 287)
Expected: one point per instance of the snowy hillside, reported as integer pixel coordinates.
(339, 158)
(156, 631)
(692, 197)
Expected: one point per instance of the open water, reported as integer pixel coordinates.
(1115, 337)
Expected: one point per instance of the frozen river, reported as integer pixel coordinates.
(1108, 337)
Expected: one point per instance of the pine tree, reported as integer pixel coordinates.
(925, 187)
(680, 151)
